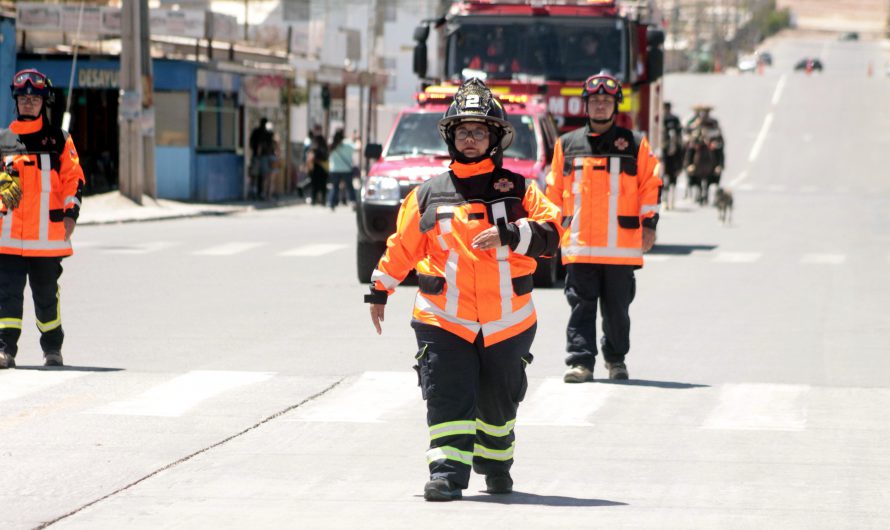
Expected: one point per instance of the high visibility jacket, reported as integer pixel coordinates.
(607, 187)
(51, 180)
(465, 290)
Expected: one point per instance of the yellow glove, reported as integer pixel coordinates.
(10, 191)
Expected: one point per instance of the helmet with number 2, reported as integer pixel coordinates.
(473, 101)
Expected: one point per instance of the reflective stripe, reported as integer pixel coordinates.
(422, 304)
(446, 452)
(72, 200)
(7, 323)
(505, 281)
(452, 291)
(575, 227)
(614, 192)
(388, 281)
(525, 236)
(493, 454)
(30, 244)
(52, 324)
(451, 428)
(647, 208)
(495, 430)
(604, 252)
(46, 185)
(508, 320)
(444, 228)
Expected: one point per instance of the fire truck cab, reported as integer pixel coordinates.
(414, 152)
(550, 47)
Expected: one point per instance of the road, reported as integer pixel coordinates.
(223, 372)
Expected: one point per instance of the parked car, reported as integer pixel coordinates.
(850, 35)
(764, 57)
(747, 63)
(415, 152)
(809, 63)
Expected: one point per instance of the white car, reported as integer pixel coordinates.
(747, 64)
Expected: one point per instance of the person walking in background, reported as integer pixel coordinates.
(605, 179)
(317, 163)
(473, 234)
(671, 154)
(262, 157)
(341, 169)
(41, 183)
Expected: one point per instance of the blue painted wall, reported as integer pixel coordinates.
(174, 181)
(216, 176)
(7, 69)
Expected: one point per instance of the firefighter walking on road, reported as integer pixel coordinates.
(472, 233)
(604, 178)
(41, 182)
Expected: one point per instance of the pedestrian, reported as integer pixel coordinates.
(41, 183)
(671, 154)
(341, 169)
(317, 162)
(604, 178)
(472, 233)
(705, 156)
(262, 157)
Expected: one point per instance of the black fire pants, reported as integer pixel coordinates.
(43, 274)
(614, 287)
(472, 394)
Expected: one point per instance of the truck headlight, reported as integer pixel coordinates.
(381, 189)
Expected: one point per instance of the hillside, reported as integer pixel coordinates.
(867, 16)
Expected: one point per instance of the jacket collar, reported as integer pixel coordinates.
(462, 170)
(26, 127)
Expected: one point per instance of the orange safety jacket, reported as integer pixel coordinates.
(462, 289)
(608, 189)
(51, 180)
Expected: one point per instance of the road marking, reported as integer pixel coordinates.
(761, 137)
(742, 176)
(656, 258)
(753, 406)
(18, 383)
(228, 249)
(313, 250)
(746, 187)
(177, 396)
(558, 403)
(776, 188)
(371, 396)
(779, 86)
(823, 259)
(737, 257)
(141, 248)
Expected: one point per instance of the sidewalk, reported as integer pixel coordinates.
(112, 207)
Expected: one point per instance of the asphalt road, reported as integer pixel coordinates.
(223, 372)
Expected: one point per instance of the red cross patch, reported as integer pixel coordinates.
(621, 144)
(503, 185)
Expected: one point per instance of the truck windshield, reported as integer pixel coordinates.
(556, 48)
(418, 134)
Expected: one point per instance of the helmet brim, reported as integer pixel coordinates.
(507, 130)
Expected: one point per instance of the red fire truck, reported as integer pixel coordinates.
(549, 47)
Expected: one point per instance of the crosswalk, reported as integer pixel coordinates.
(319, 250)
(377, 397)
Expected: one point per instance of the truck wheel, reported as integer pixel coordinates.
(367, 254)
(547, 272)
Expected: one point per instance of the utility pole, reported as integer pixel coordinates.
(131, 179)
(148, 123)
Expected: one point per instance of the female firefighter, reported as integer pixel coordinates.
(472, 233)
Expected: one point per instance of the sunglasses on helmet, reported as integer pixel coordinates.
(36, 79)
(606, 84)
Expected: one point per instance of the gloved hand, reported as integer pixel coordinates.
(10, 190)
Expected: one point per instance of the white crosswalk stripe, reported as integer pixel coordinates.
(17, 383)
(557, 403)
(736, 257)
(365, 399)
(184, 392)
(229, 249)
(319, 249)
(759, 407)
(140, 248)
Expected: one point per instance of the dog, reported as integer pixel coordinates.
(723, 201)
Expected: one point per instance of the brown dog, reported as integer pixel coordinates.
(723, 202)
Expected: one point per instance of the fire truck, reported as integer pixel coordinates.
(549, 47)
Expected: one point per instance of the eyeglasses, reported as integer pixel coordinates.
(477, 134)
(606, 84)
(36, 79)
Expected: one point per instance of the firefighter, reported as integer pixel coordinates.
(473, 233)
(40, 186)
(704, 158)
(604, 178)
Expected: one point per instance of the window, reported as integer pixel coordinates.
(218, 118)
(171, 118)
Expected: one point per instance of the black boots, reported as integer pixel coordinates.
(499, 484)
(440, 490)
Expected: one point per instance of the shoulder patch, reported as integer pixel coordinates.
(503, 185)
